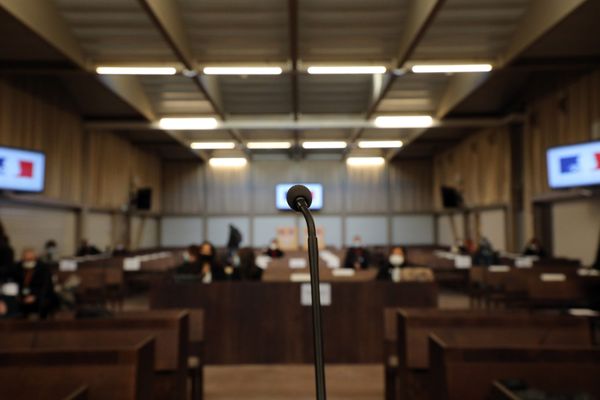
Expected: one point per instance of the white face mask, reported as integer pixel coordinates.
(187, 257)
(29, 264)
(396, 260)
(356, 243)
(273, 246)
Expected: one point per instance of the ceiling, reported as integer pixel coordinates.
(521, 38)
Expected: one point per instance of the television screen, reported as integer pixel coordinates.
(281, 192)
(574, 165)
(22, 170)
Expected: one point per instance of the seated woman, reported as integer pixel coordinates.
(391, 269)
(274, 251)
(201, 261)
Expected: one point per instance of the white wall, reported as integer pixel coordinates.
(576, 229)
(413, 229)
(181, 231)
(32, 227)
(445, 237)
(493, 227)
(372, 229)
(98, 230)
(265, 228)
(146, 231)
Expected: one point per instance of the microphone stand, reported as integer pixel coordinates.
(313, 261)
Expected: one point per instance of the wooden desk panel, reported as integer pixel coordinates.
(262, 322)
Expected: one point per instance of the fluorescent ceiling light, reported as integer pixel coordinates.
(324, 145)
(228, 162)
(365, 161)
(380, 144)
(403, 121)
(340, 69)
(188, 123)
(242, 70)
(268, 145)
(136, 70)
(212, 145)
(450, 68)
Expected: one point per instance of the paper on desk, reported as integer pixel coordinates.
(588, 272)
(300, 277)
(583, 312)
(67, 265)
(524, 262)
(499, 268)
(331, 260)
(553, 277)
(343, 272)
(263, 261)
(297, 263)
(132, 264)
(462, 262)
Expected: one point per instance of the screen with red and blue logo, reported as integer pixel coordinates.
(22, 170)
(281, 195)
(574, 165)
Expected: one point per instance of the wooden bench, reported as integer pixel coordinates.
(481, 326)
(24, 387)
(117, 367)
(169, 327)
(463, 370)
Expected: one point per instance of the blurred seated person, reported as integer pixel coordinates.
(210, 268)
(191, 261)
(87, 249)
(7, 254)
(50, 255)
(357, 257)
(120, 251)
(274, 251)
(36, 286)
(248, 270)
(390, 270)
(485, 254)
(534, 248)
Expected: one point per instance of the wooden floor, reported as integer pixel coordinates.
(292, 382)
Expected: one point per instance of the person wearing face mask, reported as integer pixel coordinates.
(357, 257)
(36, 289)
(50, 252)
(392, 269)
(210, 269)
(191, 264)
(274, 251)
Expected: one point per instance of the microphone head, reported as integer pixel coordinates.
(296, 192)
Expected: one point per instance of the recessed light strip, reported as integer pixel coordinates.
(365, 161)
(268, 145)
(227, 162)
(324, 145)
(341, 69)
(112, 70)
(403, 121)
(380, 144)
(188, 123)
(242, 70)
(450, 68)
(212, 145)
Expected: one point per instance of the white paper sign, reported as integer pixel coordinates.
(297, 263)
(343, 272)
(553, 277)
(132, 264)
(300, 277)
(462, 262)
(306, 292)
(524, 262)
(499, 268)
(67, 265)
(9, 289)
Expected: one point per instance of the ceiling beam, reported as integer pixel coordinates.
(541, 16)
(43, 19)
(420, 15)
(167, 18)
(293, 45)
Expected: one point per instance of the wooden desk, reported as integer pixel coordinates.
(464, 371)
(120, 369)
(501, 391)
(24, 387)
(475, 327)
(264, 322)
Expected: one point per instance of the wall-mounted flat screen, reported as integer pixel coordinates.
(574, 165)
(281, 192)
(22, 170)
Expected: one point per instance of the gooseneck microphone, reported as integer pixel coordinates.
(299, 199)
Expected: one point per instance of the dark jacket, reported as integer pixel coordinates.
(385, 271)
(273, 253)
(37, 282)
(357, 255)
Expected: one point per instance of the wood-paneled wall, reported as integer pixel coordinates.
(565, 115)
(398, 187)
(480, 166)
(35, 114)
